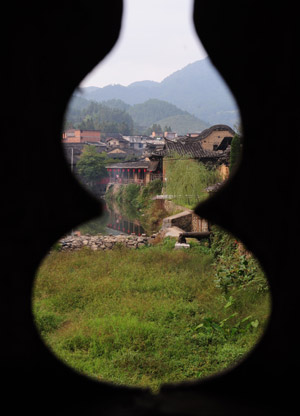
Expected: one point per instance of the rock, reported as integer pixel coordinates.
(108, 244)
(181, 245)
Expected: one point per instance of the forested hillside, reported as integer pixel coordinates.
(197, 88)
(116, 116)
(151, 111)
(89, 115)
(183, 123)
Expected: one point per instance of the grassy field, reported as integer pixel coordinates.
(145, 317)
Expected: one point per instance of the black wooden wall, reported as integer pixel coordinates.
(47, 49)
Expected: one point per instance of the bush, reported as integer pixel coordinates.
(234, 266)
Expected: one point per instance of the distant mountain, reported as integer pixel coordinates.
(155, 111)
(183, 123)
(89, 114)
(152, 110)
(197, 89)
(117, 104)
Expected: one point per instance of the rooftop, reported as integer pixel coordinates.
(208, 131)
(140, 164)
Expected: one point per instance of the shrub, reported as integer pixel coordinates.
(234, 266)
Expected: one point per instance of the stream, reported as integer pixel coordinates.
(113, 221)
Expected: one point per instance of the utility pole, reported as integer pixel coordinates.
(72, 168)
(72, 159)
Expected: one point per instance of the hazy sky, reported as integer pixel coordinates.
(157, 38)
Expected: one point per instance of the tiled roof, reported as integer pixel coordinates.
(117, 150)
(207, 132)
(188, 148)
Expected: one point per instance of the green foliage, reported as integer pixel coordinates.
(91, 165)
(97, 116)
(47, 322)
(215, 104)
(56, 246)
(183, 123)
(144, 317)
(154, 128)
(235, 152)
(116, 104)
(186, 180)
(153, 188)
(235, 271)
(136, 203)
(128, 195)
(235, 268)
(149, 112)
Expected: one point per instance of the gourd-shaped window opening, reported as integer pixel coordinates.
(150, 293)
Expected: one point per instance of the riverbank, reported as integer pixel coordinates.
(137, 204)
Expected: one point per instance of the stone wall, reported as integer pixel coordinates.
(102, 242)
(182, 220)
(199, 225)
(171, 207)
(187, 221)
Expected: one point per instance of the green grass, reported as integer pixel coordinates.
(144, 317)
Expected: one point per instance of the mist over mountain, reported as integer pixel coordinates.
(138, 118)
(197, 88)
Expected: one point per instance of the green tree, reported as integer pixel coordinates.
(91, 165)
(235, 152)
(97, 116)
(186, 179)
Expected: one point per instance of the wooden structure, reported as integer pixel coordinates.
(141, 172)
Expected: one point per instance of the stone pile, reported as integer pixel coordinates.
(102, 242)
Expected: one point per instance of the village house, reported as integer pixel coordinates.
(117, 142)
(140, 172)
(170, 135)
(136, 142)
(195, 134)
(81, 136)
(106, 136)
(117, 153)
(193, 149)
(212, 137)
(156, 134)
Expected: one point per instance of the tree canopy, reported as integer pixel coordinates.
(97, 116)
(186, 179)
(91, 165)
